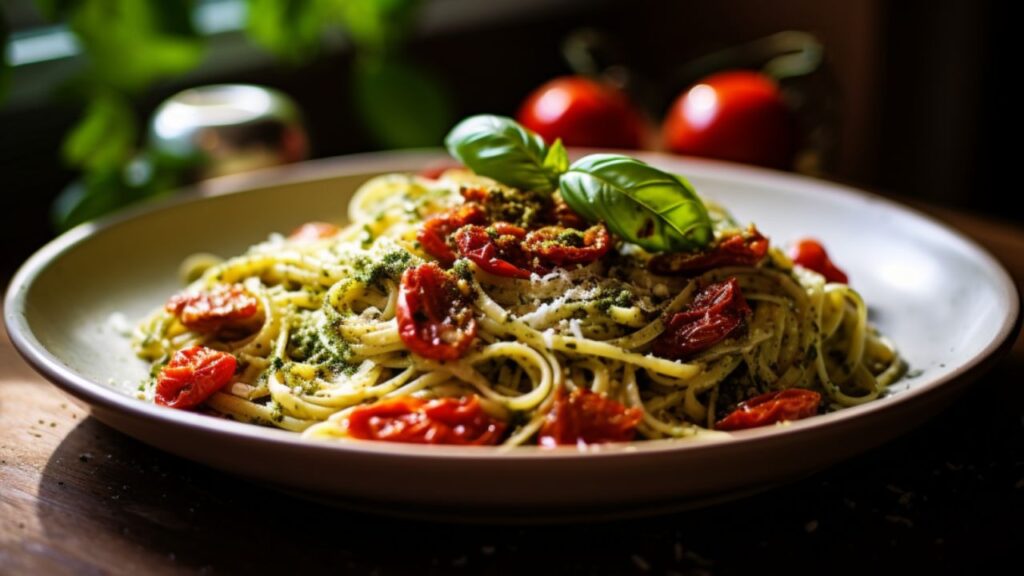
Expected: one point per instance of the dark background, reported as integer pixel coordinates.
(920, 110)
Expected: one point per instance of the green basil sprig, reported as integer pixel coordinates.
(656, 210)
(502, 149)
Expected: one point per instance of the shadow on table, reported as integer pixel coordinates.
(941, 499)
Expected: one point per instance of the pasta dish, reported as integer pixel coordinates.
(530, 302)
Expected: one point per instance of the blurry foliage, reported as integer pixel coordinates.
(291, 29)
(105, 137)
(400, 104)
(99, 192)
(130, 45)
(377, 25)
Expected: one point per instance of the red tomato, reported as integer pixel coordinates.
(192, 376)
(434, 170)
(441, 421)
(224, 306)
(564, 246)
(313, 231)
(475, 195)
(716, 312)
(435, 319)
(737, 115)
(812, 255)
(582, 112)
(738, 250)
(497, 249)
(772, 407)
(586, 417)
(434, 235)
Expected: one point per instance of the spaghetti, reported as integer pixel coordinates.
(329, 322)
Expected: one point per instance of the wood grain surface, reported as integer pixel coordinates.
(77, 497)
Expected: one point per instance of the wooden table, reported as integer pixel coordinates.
(78, 497)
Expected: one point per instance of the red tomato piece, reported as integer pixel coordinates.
(475, 195)
(812, 255)
(736, 115)
(586, 417)
(716, 312)
(745, 249)
(442, 421)
(497, 249)
(192, 376)
(313, 231)
(435, 319)
(224, 306)
(582, 112)
(564, 246)
(434, 170)
(772, 407)
(436, 230)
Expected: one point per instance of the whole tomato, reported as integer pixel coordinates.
(736, 115)
(582, 112)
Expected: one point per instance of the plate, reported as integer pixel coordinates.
(945, 302)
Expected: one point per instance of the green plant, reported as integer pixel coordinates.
(129, 45)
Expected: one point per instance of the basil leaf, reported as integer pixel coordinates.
(557, 159)
(653, 209)
(499, 148)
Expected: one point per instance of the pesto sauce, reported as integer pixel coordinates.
(524, 209)
(390, 266)
(607, 298)
(306, 344)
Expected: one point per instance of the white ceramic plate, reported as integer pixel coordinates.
(946, 303)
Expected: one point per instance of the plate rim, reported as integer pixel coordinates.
(99, 395)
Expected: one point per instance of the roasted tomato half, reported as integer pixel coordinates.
(225, 306)
(414, 420)
(586, 417)
(498, 249)
(192, 376)
(435, 234)
(716, 312)
(435, 318)
(772, 407)
(564, 246)
(812, 255)
(745, 249)
(312, 231)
